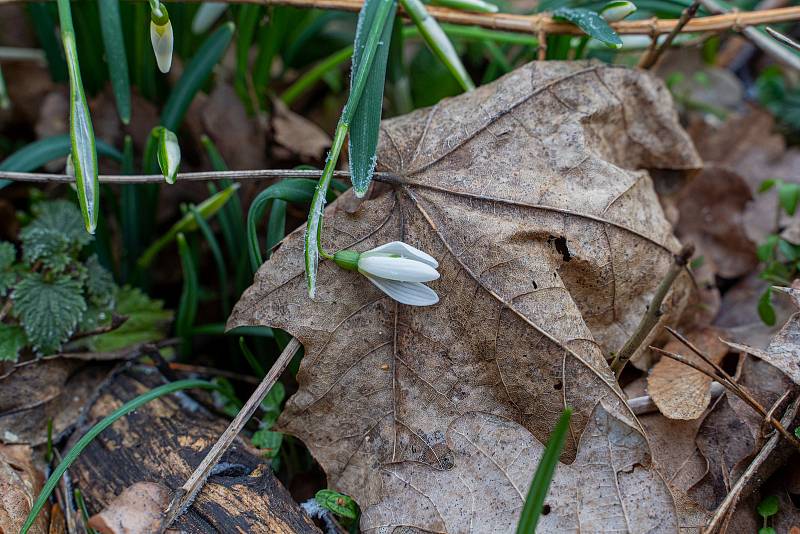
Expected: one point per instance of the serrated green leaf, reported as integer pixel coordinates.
(99, 282)
(338, 503)
(48, 246)
(788, 196)
(61, 216)
(12, 339)
(147, 321)
(366, 120)
(765, 310)
(768, 507)
(590, 22)
(49, 310)
(7, 254)
(267, 441)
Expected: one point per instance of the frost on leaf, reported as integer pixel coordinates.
(533, 194)
(49, 309)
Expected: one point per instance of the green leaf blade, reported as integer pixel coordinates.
(117, 59)
(591, 23)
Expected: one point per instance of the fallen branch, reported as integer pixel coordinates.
(186, 494)
(753, 474)
(653, 314)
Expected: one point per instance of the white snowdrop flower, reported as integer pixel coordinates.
(169, 154)
(617, 10)
(161, 38)
(397, 269)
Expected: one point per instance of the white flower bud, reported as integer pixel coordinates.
(169, 154)
(161, 38)
(617, 10)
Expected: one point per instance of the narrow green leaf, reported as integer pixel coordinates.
(299, 190)
(438, 41)
(246, 24)
(111, 26)
(43, 25)
(788, 196)
(37, 154)
(251, 358)
(315, 74)
(84, 153)
(208, 208)
(276, 225)
(195, 74)
(397, 73)
(590, 22)
(478, 6)
(187, 305)
(5, 101)
(93, 432)
(765, 310)
(216, 253)
(366, 120)
(544, 474)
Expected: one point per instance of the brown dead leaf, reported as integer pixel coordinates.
(491, 451)
(550, 240)
(137, 509)
(20, 483)
(238, 136)
(297, 134)
(35, 392)
(712, 208)
(679, 391)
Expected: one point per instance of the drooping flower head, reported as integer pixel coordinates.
(161, 37)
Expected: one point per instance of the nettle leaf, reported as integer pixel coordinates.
(61, 216)
(12, 339)
(49, 310)
(147, 321)
(99, 282)
(51, 247)
(7, 256)
(532, 193)
(590, 22)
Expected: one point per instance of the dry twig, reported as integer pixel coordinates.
(186, 494)
(653, 314)
(653, 54)
(778, 36)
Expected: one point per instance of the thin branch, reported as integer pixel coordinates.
(737, 390)
(184, 176)
(534, 23)
(778, 36)
(653, 54)
(644, 405)
(653, 314)
(186, 494)
(777, 51)
(753, 473)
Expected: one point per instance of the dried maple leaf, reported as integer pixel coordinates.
(20, 483)
(530, 192)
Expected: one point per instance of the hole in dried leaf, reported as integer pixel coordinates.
(561, 246)
(545, 509)
(558, 385)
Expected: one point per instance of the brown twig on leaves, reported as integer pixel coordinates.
(778, 36)
(752, 475)
(654, 53)
(184, 176)
(186, 494)
(116, 322)
(653, 314)
(734, 387)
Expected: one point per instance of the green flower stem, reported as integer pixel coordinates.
(437, 41)
(84, 151)
(313, 238)
(93, 432)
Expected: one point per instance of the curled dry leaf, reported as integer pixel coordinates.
(298, 134)
(20, 483)
(137, 509)
(712, 208)
(550, 239)
(783, 350)
(679, 391)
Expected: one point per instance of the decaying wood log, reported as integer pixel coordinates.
(163, 442)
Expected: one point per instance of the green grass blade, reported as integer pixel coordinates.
(276, 225)
(5, 101)
(84, 152)
(216, 253)
(251, 358)
(544, 474)
(397, 73)
(478, 6)
(438, 41)
(246, 24)
(36, 154)
(117, 59)
(187, 305)
(300, 190)
(129, 214)
(93, 432)
(590, 22)
(315, 74)
(366, 120)
(43, 25)
(206, 15)
(195, 74)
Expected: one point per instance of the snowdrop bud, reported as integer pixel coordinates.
(161, 37)
(169, 154)
(617, 10)
(397, 269)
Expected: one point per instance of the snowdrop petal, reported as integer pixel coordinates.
(400, 269)
(404, 251)
(162, 40)
(411, 293)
